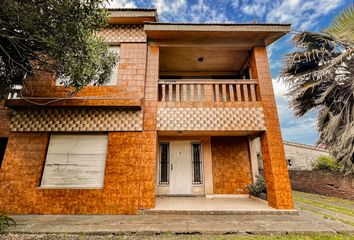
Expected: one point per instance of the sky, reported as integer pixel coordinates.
(309, 15)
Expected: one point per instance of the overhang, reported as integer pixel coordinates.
(245, 36)
(131, 16)
(35, 103)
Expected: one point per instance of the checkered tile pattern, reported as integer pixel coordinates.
(77, 120)
(227, 119)
(123, 33)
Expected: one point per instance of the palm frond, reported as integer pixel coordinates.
(342, 27)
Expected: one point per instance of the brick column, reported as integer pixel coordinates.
(275, 169)
(149, 147)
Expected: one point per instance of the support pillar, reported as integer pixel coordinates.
(208, 168)
(275, 169)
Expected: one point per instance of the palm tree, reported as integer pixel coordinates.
(320, 75)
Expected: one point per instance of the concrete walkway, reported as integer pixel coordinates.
(305, 222)
(232, 204)
(310, 219)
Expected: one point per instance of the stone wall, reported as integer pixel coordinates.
(323, 183)
(231, 165)
(129, 182)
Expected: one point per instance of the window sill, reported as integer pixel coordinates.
(67, 188)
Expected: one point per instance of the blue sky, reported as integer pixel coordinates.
(311, 15)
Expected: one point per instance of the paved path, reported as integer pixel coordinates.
(305, 222)
(311, 219)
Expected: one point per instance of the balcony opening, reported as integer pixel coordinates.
(206, 73)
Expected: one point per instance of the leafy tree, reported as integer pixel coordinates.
(320, 75)
(56, 36)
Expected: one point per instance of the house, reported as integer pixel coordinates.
(178, 118)
(301, 156)
(298, 156)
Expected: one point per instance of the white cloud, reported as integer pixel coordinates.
(121, 4)
(169, 6)
(303, 14)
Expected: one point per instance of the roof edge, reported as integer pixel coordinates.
(218, 24)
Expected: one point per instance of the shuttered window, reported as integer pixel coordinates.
(75, 161)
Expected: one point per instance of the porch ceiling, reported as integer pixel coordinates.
(202, 59)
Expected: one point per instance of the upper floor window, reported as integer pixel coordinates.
(114, 76)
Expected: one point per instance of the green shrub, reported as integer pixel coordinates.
(326, 163)
(5, 221)
(258, 189)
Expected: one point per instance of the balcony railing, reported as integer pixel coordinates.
(208, 90)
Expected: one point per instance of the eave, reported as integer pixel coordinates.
(244, 36)
(131, 16)
(32, 103)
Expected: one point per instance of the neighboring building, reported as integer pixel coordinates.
(298, 156)
(177, 118)
(301, 156)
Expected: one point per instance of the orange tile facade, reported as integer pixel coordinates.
(128, 184)
(130, 173)
(231, 165)
(275, 169)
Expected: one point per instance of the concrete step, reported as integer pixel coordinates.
(218, 212)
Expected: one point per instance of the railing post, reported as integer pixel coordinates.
(178, 93)
(232, 95)
(253, 92)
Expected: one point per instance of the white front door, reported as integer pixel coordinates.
(180, 168)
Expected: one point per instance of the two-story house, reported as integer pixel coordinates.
(178, 118)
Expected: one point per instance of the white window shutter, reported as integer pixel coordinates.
(75, 161)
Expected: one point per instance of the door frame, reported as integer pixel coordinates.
(158, 168)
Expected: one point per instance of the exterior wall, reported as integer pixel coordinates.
(131, 78)
(275, 168)
(231, 165)
(302, 156)
(323, 183)
(128, 184)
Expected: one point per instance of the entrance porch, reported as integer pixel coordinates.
(205, 166)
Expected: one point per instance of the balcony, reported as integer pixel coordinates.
(201, 90)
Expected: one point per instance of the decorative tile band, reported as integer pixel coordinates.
(123, 33)
(76, 120)
(224, 119)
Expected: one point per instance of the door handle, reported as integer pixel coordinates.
(171, 166)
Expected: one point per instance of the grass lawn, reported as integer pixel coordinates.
(172, 237)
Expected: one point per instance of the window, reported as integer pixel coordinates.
(164, 162)
(289, 162)
(3, 143)
(114, 76)
(75, 161)
(197, 163)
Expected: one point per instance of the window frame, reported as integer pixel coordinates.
(201, 164)
(59, 79)
(167, 164)
(74, 187)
